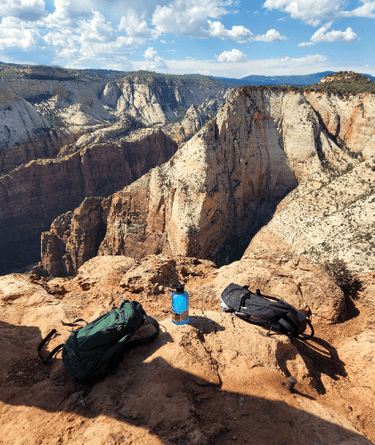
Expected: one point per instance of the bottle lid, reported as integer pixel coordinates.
(180, 288)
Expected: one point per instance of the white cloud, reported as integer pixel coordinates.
(155, 61)
(285, 59)
(136, 27)
(231, 56)
(17, 34)
(188, 17)
(106, 50)
(96, 29)
(366, 10)
(150, 53)
(24, 9)
(67, 13)
(271, 36)
(62, 39)
(238, 33)
(306, 60)
(306, 44)
(91, 40)
(314, 11)
(322, 36)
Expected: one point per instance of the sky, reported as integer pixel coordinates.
(228, 38)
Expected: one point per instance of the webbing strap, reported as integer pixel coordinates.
(292, 323)
(48, 360)
(307, 336)
(74, 323)
(143, 340)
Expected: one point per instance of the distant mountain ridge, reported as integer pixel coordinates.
(42, 72)
(297, 80)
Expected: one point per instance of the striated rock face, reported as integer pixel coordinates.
(225, 182)
(349, 120)
(25, 134)
(212, 189)
(104, 122)
(34, 194)
(39, 117)
(336, 220)
(149, 100)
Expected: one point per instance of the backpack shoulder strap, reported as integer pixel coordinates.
(48, 360)
(143, 340)
(307, 336)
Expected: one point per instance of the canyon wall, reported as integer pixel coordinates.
(348, 119)
(224, 184)
(39, 117)
(331, 214)
(61, 141)
(25, 134)
(32, 195)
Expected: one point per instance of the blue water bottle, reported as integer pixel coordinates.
(180, 305)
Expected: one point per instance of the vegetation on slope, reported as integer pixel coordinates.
(10, 71)
(344, 82)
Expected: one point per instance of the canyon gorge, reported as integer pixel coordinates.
(124, 187)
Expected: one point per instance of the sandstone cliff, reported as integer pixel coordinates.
(150, 100)
(349, 120)
(110, 126)
(335, 220)
(25, 134)
(42, 116)
(32, 195)
(223, 184)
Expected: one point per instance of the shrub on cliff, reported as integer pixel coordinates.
(349, 283)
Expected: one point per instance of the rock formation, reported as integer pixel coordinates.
(336, 220)
(25, 134)
(344, 76)
(114, 125)
(224, 183)
(218, 379)
(34, 194)
(279, 181)
(348, 119)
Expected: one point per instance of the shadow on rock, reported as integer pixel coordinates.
(204, 324)
(147, 400)
(320, 358)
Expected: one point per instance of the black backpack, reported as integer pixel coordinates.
(269, 312)
(96, 349)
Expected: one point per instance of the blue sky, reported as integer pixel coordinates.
(213, 37)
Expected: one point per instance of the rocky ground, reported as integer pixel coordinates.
(217, 380)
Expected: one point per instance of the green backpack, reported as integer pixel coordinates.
(93, 351)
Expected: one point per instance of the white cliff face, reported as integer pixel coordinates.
(335, 220)
(110, 95)
(212, 188)
(26, 134)
(330, 143)
(223, 184)
(78, 108)
(19, 120)
(349, 117)
(257, 149)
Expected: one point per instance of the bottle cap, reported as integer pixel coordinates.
(180, 288)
